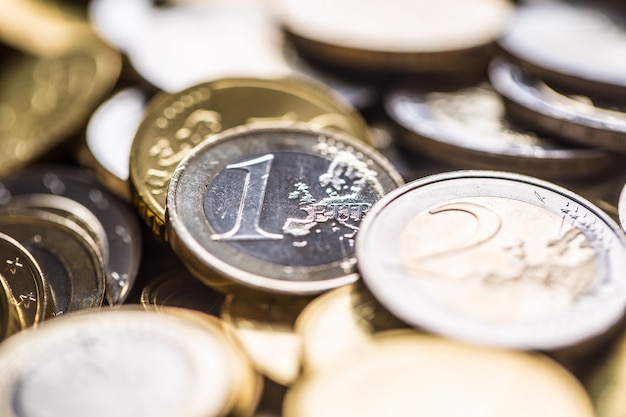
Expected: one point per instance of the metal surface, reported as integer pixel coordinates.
(275, 209)
(119, 222)
(495, 258)
(467, 128)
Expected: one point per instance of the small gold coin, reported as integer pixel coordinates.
(405, 373)
(175, 125)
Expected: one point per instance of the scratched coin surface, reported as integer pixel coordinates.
(578, 46)
(178, 123)
(573, 118)
(495, 258)
(467, 128)
(276, 209)
(120, 223)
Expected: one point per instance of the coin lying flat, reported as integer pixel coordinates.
(60, 238)
(404, 373)
(467, 128)
(124, 363)
(275, 209)
(397, 35)
(118, 220)
(109, 136)
(578, 46)
(572, 118)
(25, 281)
(495, 258)
(178, 123)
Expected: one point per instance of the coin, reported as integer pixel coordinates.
(340, 323)
(120, 223)
(275, 209)
(449, 36)
(467, 128)
(109, 136)
(575, 119)
(177, 124)
(495, 258)
(65, 240)
(405, 373)
(9, 316)
(178, 288)
(577, 46)
(125, 363)
(25, 281)
(264, 324)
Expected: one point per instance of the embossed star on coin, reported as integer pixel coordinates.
(276, 209)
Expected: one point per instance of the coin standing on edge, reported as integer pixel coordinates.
(577, 120)
(467, 128)
(495, 258)
(174, 125)
(275, 209)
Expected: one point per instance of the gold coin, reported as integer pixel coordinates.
(25, 281)
(264, 324)
(176, 124)
(405, 373)
(9, 316)
(127, 363)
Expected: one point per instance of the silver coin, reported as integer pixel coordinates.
(275, 208)
(467, 128)
(579, 47)
(575, 119)
(495, 258)
(118, 220)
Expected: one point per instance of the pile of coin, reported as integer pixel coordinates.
(311, 208)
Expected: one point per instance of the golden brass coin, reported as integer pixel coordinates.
(25, 281)
(127, 363)
(83, 286)
(176, 124)
(9, 316)
(264, 324)
(405, 373)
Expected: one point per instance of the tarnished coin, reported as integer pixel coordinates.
(26, 282)
(178, 123)
(125, 363)
(451, 36)
(60, 238)
(495, 258)
(178, 288)
(467, 128)
(577, 46)
(572, 118)
(405, 373)
(10, 322)
(264, 324)
(340, 323)
(276, 209)
(118, 220)
(109, 136)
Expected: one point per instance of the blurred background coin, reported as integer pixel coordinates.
(275, 208)
(496, 259)
(467, 128)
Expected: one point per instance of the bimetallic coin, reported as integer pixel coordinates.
(109, 136)
(578, 47)
(178, 123)
(178, 288)
(25, 281)
(622, 208)
(264, 324)
(64, 240)
(450, 36)
(467, 128)
(10, 322)
(405, 373)
(118, 220)
(275, 209)
(125, 363)
(575, 119)
(495, 258)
